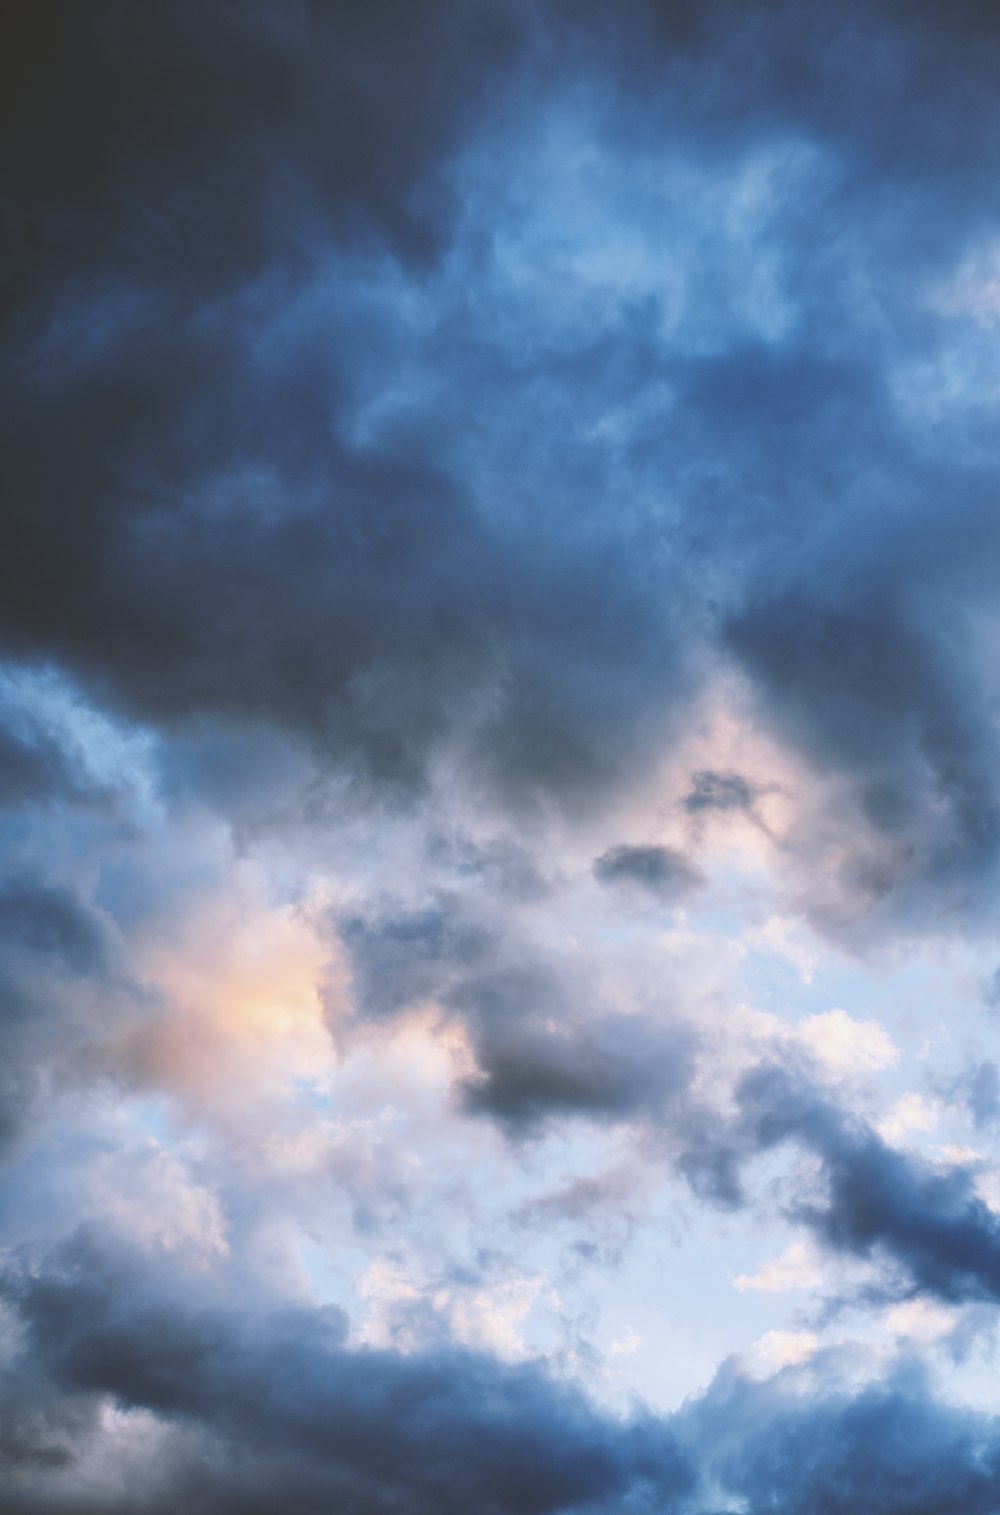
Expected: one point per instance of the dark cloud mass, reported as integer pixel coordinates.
(379, 1431)
(888, 1449)
(211, 536)
(283, 1406)
(444, 443)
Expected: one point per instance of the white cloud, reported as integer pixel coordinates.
(844, 1045)
(782, 1349)
(797, 1268)
(911, 1113)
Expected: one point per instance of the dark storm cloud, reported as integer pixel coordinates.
(203, 145)
(661, 871)
(872, 692)
(924, 1224)
(288, 1410)
(803, 1442)
(203, 538)
(194, 529)
(256, 1412)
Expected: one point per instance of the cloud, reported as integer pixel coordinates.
(797, 1268)
(47, 922)
(660, 871)
(416, 426)
(248, 1411)
(532, 1070)
(263, 338)
(398, 960)
(802, 1441)
(719, 791)
(58, 990)
(544, 1046)
(284, 1406)
(984, 1094)
(926, 1226)
(845, 1045)
(36, 767)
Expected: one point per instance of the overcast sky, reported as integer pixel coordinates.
(499, 818)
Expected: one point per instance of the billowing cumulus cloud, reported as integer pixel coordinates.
(498, 751)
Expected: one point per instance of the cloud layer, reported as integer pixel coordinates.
(498, 750)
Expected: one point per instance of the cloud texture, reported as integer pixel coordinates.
(498, 751)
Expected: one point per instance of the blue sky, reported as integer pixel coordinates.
(498, 745)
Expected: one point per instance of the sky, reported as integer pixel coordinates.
(499, 735)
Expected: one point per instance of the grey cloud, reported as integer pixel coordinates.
(399, 959)
(612, 1067)
(924, 1225)
(501, 865)
(49, 923)
(803, 1441)
(286, 1406)
(213, 539)
(544, 1046)
(206, 540)
(297, 122)
(869, 691)
(58, 990)
(37, 767)
(253, 1412)
(544, 1050)
(711, 790)
(661, 871)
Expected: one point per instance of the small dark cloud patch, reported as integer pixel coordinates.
(660, 871)
(534, 1071)
(711, 790)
